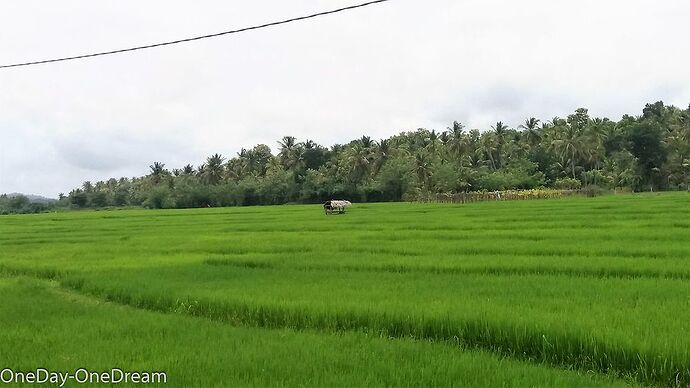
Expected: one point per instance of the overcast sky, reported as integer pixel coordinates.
(377, 71)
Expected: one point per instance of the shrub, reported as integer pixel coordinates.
(159, 198)
(567, 184)
(593, 191)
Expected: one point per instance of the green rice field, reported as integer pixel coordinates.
(566, 292)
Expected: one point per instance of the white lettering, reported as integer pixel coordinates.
(7, 376)
(42, 376)
(159, 377)
(60, 378)
(30, 377)
(18, 377)
(116, 372)
(81, 375)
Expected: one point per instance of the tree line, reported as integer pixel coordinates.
(637, 153)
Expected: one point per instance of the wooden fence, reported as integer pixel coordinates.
(510, 195)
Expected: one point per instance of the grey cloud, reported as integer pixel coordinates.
(399, 66)
(114, 151)
(508, 103)
(502, 99)
(93, 156)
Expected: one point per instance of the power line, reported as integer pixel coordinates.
(196, 37)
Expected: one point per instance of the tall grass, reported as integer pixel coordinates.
(584, 331)
(62, 331)
(595, 284)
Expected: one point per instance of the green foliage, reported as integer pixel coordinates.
(649, 152)
(158, 198)
(519, 175)
(99, 199)
(496, 181)
(396, 178)
(647, 146)
(197, 353)
(567, 184)
(22, 204)
(578, 283)
(78, 198)
(593, 191)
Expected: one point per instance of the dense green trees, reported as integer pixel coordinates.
(648, 152)
(17, 203)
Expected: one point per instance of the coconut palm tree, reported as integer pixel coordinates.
(366, 142)
(287, 146)
(309, 144)
(291, 153)
(533, 133)
(188, 170)
(501, 131)
(457, 140)
(87, 186)
(235, 169)
(359, 159)
(200, 170)
(245, 162)
(213, 171)
(570, 143)
(380, 155)
(423, 168)
(157, 172)
(487, 146)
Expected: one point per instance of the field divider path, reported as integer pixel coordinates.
(553, 348)
(621, 273)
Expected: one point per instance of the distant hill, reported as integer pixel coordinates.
(34, 198)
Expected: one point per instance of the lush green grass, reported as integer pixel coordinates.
(593, 284)
(63, 331)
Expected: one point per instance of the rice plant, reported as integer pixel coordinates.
(585, 284)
